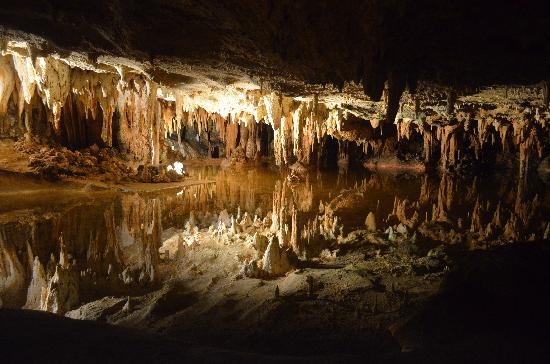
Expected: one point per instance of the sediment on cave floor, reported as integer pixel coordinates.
(274, 181)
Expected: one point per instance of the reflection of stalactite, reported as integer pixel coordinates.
(62, 292)
(144, 224)
(402, 210)
(444, 198)
(112, 253)
(464, 206)
(12, 273)
(287, 202)
(37, 291)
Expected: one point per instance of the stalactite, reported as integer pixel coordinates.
(27, 76)
(297, 125)
(447, 140)
(7, 84)
(79, 98)
(53, 81)
(94, 90)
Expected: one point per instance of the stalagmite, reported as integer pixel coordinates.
(37, 291)
(12, 273)
(370, 222)
(275, 261)
(62, 292)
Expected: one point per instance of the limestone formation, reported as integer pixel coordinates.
(352, 152)
(370, 222)
(62, 293)
(12, 274)
(37, 291)
(77, 98)
(261, 242)
(275, 261)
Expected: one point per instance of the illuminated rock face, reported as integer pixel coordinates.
(77, 107)
(275, 261)
(80, 104)
(124, 109)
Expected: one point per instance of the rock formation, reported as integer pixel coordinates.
(12, 274)
(370, 222)
(79, 104)
(275, 260)
(37, 291)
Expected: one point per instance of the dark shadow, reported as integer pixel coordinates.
(494, 307)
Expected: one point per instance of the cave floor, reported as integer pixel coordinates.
(10, 161)
(155, 260)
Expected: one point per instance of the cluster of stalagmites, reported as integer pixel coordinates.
(274, 232)
(274, 255)
(488, 223)
(116, 259)
(54, 288)
(271, 260)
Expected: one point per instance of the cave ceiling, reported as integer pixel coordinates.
(299, 47)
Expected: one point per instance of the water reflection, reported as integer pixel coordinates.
(61, 249)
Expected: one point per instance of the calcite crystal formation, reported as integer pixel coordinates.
(79, 101)
(112, 104)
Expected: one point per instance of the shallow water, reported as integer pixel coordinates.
(112, 239)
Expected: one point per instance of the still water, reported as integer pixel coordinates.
(111, 238)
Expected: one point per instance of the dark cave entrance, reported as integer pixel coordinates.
(329, 154)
